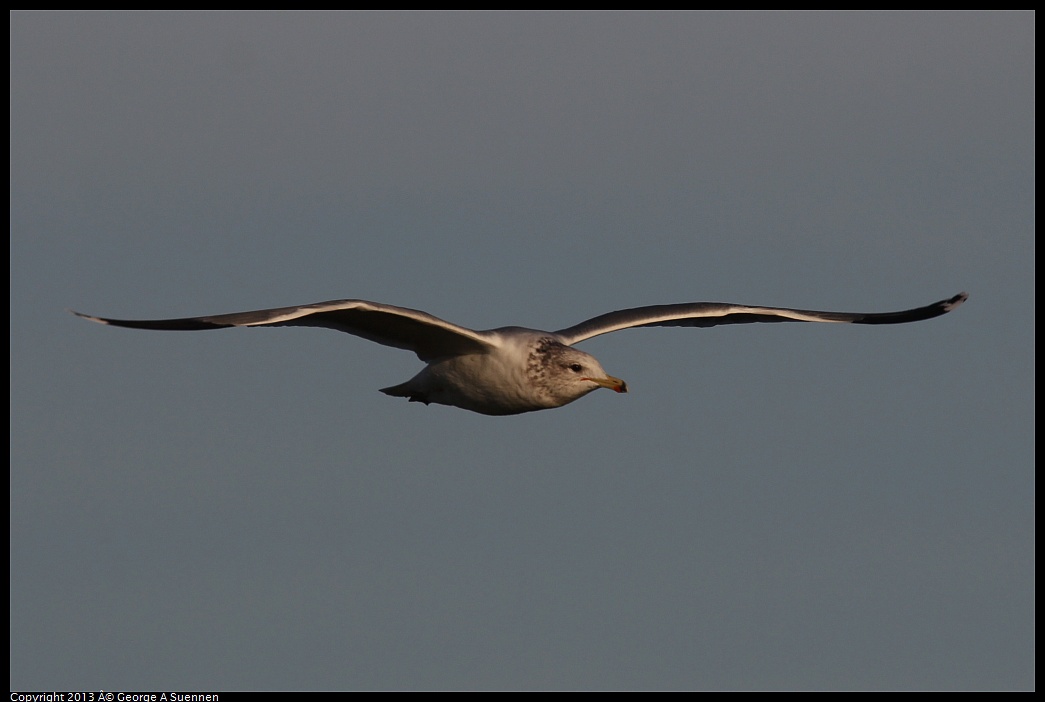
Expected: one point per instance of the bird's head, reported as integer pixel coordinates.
(566, 374)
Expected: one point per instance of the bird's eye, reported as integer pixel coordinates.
(576, 367)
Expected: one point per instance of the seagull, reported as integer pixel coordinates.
(509, 370)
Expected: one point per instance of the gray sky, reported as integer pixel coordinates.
(771, 506)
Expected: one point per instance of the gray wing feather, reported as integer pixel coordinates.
(402, 328)
(710, 314)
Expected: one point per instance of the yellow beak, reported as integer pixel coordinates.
(614, 384)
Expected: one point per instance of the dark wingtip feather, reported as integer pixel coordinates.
(916, 315)
(186, 324)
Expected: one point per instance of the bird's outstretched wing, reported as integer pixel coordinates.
(710, 314)
(427, 336)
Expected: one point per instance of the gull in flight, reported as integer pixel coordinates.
(511, 369)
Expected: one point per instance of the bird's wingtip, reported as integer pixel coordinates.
(956, 301)
(87, 316)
